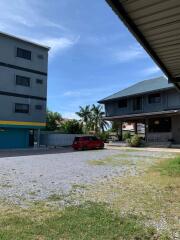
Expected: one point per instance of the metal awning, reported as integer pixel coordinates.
(156, 25)
(143, 115)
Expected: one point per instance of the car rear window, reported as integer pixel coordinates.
(85, 138)
(76, 139)
(94, 138)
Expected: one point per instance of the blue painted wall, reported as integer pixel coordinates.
(14, 138)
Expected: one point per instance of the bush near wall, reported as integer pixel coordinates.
(135, 141)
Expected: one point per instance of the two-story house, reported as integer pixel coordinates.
(155, 103)
(23, 90)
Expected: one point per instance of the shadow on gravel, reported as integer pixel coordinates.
(34, 151)
(37, 151)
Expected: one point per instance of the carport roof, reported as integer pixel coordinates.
(156, 25)
(146, 86)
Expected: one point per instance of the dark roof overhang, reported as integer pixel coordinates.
(156, 25)
(143, 115)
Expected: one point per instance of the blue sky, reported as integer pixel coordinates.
(92, 53)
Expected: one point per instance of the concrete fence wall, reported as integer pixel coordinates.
(57, 139)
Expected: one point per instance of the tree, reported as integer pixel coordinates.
(53, 120)
(98, 122)
(85, 115)
(72, 126)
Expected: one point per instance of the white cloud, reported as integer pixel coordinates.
(15, 14)
(70, 115)
(58, 44)
(129, 54)
(150, 70)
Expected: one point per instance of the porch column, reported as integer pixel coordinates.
(146, 129)
(135, 128)
(38, 137)
(120, 130)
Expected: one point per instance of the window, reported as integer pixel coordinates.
(137, 103)
(154, 98)
(22, 81)
(40, 56)
(38, 107)
(122, 103)
(22, 53)
(39, 81)
(160, 125)
(93, 138)
(21, 108)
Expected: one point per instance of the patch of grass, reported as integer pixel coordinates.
(6, 185)
(170, 167)
(116, 160)
(126, 159)
(56, 197)
(78, 186)
(88, 221)
(151, 195)
(33, 193)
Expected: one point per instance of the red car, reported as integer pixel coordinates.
(87, 142)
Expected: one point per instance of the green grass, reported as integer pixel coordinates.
(88, 221)
(56, 197)
(170, 167)
(6, 185)
(116, 160)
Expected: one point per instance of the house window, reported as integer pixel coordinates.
(137, 103)
(40, 56)
(22, 81)
(39, 81)
(22, 53)
(21, 108)
(160, 125)
(122, 103)
(38, 107)
(154, 98)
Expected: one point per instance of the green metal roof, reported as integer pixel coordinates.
(140, 88)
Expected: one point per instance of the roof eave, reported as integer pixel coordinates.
(143, 115)
(24, 40)
(123, 15)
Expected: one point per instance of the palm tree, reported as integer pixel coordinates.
(99, 124)
(53, 119)
(85, 115)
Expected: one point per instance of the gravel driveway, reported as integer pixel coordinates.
(36, 177)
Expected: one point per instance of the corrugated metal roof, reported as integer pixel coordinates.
(139, 88)
(156, 25)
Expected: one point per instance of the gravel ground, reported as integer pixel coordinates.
(37, 177)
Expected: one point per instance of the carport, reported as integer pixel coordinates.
(156, 25)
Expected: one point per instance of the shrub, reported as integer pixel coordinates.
(126, 135)
(104, 136)
(135, 141)
(71, 127)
